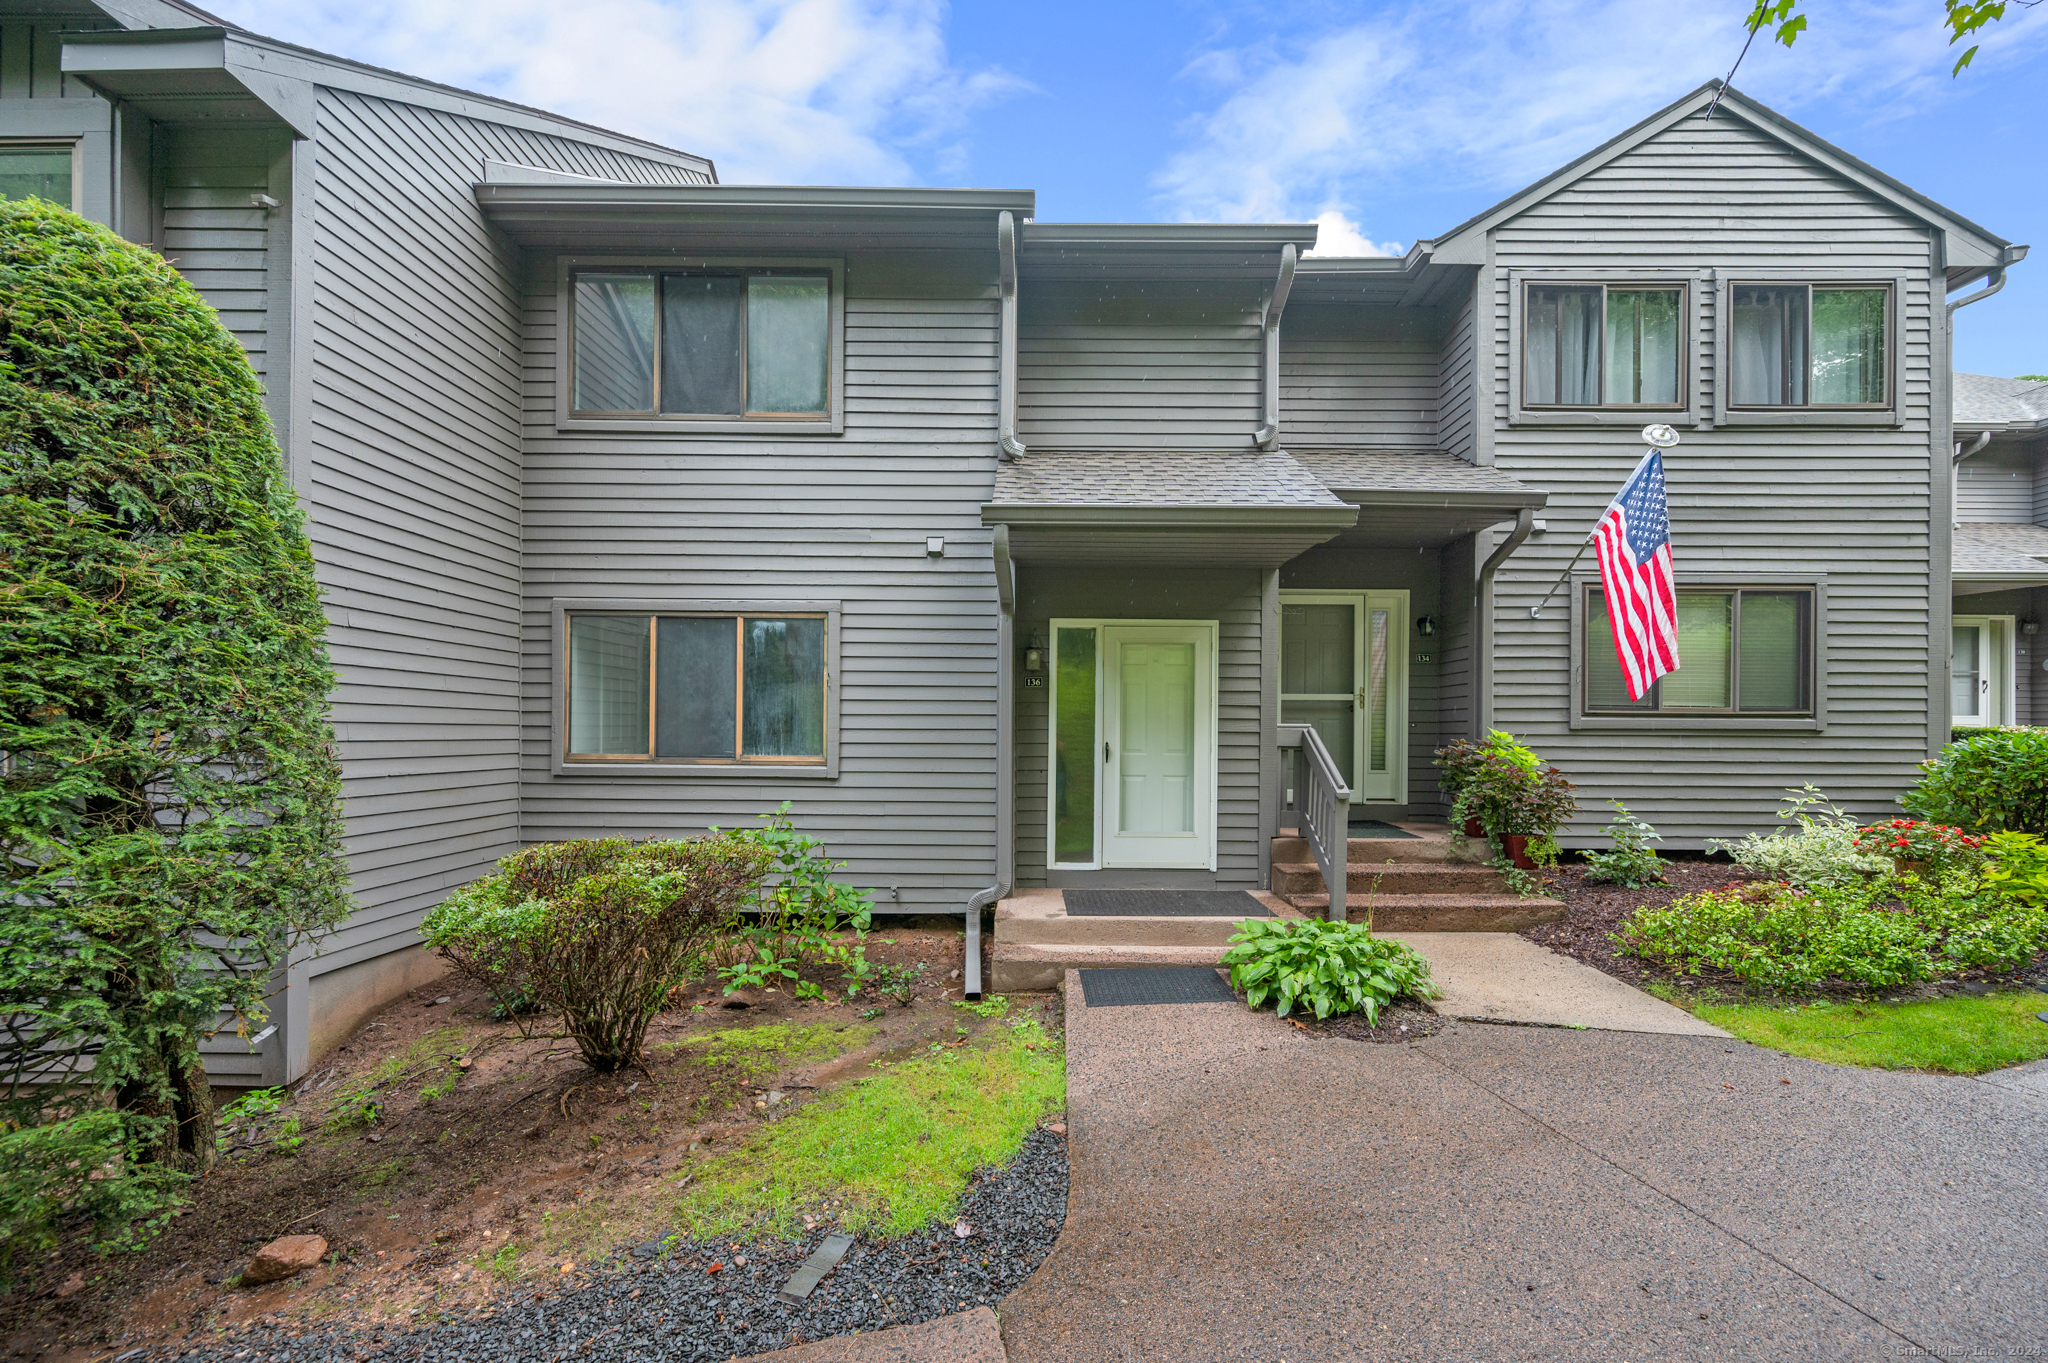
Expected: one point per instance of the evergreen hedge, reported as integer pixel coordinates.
(169, 791)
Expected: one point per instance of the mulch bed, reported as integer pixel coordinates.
(672, 1306)
(1593, 913)
(1398, 1022)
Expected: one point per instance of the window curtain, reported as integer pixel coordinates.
(1642, 346)
(1706, 647)
(608, 685)
(1773, 633)
(1770, 347)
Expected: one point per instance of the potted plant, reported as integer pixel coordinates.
(1502, 790)
(1918, 847)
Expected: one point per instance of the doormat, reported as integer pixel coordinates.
(1156, 984)
(1164, 904)
(1374, 828)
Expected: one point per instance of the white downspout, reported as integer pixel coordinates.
(1006, 783)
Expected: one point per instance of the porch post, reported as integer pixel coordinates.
(1271, 772)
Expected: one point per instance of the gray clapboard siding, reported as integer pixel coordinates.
(1771, 505)
(30, 45)
(1138, 366)
(1231, 597)
(1995, 487)
(1359, 377)
(1458, 386)
(210, 230)
(2041, 484)
(415, 492)
(834, 518)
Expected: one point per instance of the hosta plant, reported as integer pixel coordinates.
(1324, 967)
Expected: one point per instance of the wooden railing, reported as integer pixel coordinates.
(1321, 808)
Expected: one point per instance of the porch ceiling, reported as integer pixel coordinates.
(1076, 507)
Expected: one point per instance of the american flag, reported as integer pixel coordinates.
(1634, 543)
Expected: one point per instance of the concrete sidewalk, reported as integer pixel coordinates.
(1242, 1190)
(1504, 977)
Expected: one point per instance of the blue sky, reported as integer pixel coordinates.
(1385, 122)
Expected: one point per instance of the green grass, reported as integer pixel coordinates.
(1963, 1034)
(774, 1046)
(893, 1151)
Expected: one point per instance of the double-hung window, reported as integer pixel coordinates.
(737, 344)
(1743, 652)
(1603, 345)
(39, 170)
(729, 687)
(1809, 345)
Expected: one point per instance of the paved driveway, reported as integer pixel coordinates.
(1242, 1191)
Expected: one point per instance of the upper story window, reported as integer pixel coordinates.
(725, 344)
(41, 170)
(1805, 345)
(1743, 653)
(1602, 345)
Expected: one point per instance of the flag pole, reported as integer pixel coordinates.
(1658, 436)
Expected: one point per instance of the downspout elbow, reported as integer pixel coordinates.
(1267, 436)
(1008, 447)
(1525, 521)
(1482, 618)
(2010, 256)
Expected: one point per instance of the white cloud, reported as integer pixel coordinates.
(1497, 94)
(797, 91)
(1337, 235)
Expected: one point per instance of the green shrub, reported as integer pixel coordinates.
(595, 932)
(170, 797)
(1987, 781)
(2017, 867)
(79, 1166)
(801, 916)
(1877, 934)
(1631, 862)
(1327, 967)
(1821, 851)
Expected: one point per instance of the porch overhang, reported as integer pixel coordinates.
(1998, 558)
(199, 74)
(1422, 497)
(1256, 510)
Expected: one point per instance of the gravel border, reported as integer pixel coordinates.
(668, 1307)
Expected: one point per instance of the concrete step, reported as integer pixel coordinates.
(1291, 878)
(1439, 912)
(1433, 842)
(1018, 966)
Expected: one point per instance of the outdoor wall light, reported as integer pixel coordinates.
(2030, 626)
(1034, 656)
(1425, 625)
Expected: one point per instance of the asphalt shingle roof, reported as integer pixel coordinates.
(1404, 471)
(1141, 478)
(1983, 549)
(1986, 400)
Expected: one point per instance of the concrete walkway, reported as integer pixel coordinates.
(1244, 1191)
(1503, 977)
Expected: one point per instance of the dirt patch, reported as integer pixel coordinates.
(1397, 1022)
(446, 1159)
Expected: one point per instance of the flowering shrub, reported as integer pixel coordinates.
(1915, 840)
(1822, 850)
(1877, 934)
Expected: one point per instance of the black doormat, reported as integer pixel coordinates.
(1155, 984)
(1164, 904)
(1375, 828)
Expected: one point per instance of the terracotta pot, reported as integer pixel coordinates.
(1474, 829)
(1516, 845)
(1914, 864)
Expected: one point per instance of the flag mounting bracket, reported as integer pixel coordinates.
(1658, 436)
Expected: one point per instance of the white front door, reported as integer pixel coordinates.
(1343, 670)
(1158, 717)
(1980, 672)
